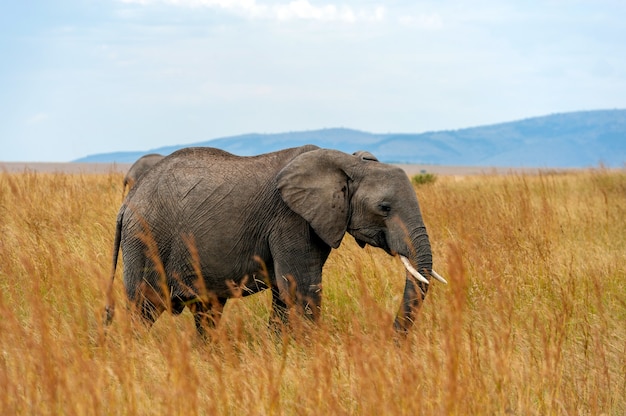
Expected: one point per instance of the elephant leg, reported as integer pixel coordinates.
(298, 278)
(288, 298)
(414, 294)
(207, 315)
(279, 315)
(150, 312)
(149, 303)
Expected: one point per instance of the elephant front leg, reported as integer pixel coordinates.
(207, 315)
(289, 297)
(279, 316)
(304, 298)
(414, 294)
(297, 278)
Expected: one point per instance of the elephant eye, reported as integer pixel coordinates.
(385, 207)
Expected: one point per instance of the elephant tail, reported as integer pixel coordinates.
(109, 308)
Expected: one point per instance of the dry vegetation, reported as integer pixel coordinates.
(532, 322)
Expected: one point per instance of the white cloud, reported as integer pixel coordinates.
(293, 10)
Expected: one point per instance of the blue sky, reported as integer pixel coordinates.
(79, 77)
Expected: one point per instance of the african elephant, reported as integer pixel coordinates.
(140, 167)
(205, 225)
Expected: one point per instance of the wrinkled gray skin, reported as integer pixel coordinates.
(245, 224)
(140, 167)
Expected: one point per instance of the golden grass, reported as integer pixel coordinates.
(532, 322)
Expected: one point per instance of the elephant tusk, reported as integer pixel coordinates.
(412, 270)
(438, 277)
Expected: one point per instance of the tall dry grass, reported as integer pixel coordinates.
(532, 322)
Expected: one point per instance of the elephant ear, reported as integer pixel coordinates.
(315, 186)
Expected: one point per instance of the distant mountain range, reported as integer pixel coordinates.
(577, 139)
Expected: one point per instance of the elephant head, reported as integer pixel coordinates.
(374, 202)
(140, 167)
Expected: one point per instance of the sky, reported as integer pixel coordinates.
(80, 77)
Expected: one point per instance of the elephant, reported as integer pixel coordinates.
(140, 167)
(205, 225)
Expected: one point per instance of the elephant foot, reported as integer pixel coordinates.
(206, 315)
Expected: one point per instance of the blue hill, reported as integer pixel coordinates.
(577, 139)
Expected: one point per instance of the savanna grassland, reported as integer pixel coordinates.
(533, 321)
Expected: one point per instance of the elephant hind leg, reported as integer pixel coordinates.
(149, 303)
(207, 315)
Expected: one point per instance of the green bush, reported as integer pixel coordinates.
(423, 178)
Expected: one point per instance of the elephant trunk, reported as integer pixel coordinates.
(419, 269)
